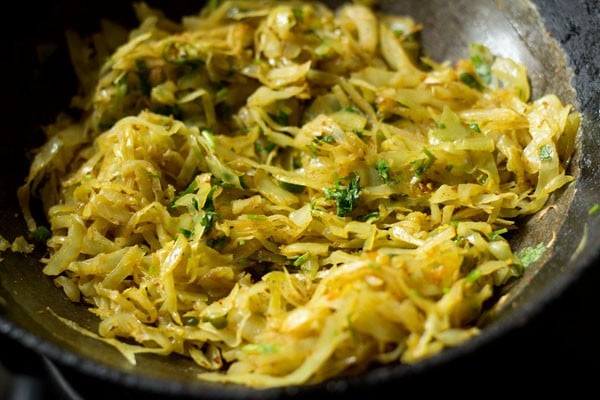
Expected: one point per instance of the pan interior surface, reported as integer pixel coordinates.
(512, 29)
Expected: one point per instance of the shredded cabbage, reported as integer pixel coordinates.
(286, 193)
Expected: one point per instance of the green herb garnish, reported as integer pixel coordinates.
(191, 321)
(301, 259)
(41, 234)
(470, 81)
(209, 211)
(475, 127)
(530, 255)
(192, 187)
(282, 118)
(219, 322)
(291, 187)
(383, 169)
(345, 197)
(144, 75)
(546, 152)
(422, 165)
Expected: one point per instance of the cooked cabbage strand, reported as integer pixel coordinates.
(286, 193)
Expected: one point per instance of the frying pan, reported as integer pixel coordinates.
(558, 40)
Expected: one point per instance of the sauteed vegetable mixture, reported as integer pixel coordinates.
(286, 192)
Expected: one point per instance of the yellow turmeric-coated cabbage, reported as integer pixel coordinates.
(286, 193)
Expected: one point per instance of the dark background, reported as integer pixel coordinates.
(558, 350)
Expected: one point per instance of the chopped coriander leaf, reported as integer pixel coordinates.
(473, 275)
(345, 198)
(191, 321)
(188, 233)
(260, 348)
(122, 86)
(371, 215)
(292, 188)
(530, 255)
(312, 149)
(144, 76)
(475, 127)
(262, 146)
(460, 240)
(429, 154)
(242, 260)
(495, 234)
(470, 81)
(546, 152)
(482, 60)
(298, 14)
(297, 162)
(483, 70)
(192, 187)
(281, 117)
(222, 92)
(325, 138)
(219, 322)
(422, 165)
(383, 169)
(208, 135)
(517, 269)
(411, 37)
(269, 147)
(301, 259)
(209, 211)
(40, 234)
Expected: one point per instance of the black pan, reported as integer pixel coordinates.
(558, 40)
